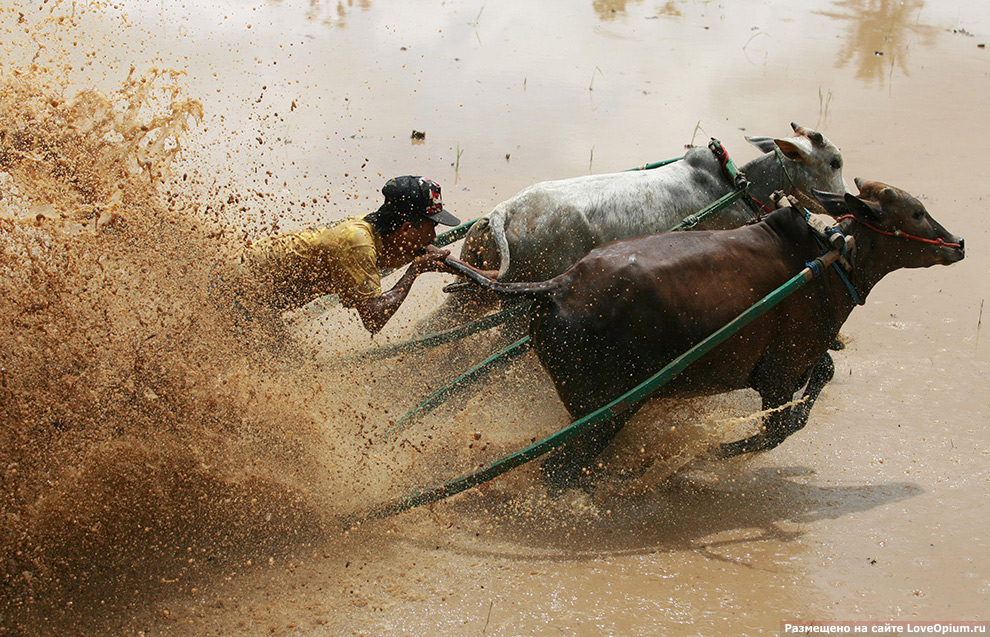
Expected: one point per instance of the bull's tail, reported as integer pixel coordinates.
(496, 225)
(528, 290)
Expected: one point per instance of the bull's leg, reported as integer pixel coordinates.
(567, 465)
(821, 373)
(781, 424)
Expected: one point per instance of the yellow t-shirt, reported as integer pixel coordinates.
(295, 268)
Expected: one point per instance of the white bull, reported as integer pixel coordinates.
(544, 229)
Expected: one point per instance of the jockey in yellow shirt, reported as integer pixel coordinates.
(292, 269)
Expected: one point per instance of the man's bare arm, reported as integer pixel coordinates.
(376, 312)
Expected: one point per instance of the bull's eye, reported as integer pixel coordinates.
(836, 164)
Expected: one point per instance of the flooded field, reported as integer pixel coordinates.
(166, 470)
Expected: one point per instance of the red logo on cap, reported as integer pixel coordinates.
(436, 205)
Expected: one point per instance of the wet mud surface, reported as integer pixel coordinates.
(166, 469)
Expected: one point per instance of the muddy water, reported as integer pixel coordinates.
(166, 473)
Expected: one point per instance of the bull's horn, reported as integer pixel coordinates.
(817, 139)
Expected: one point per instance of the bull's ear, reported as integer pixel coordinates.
(766, 144)
(864, 209)
(793, 148)
(833, 203)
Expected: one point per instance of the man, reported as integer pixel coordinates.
(290, 270)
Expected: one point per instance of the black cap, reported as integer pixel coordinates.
(415, 196)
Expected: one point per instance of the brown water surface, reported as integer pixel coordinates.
(166, 470)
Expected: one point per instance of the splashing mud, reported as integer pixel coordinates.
(138, 436)
(148, 436)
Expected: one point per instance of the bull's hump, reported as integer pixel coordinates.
(700, 158)
(788, 224)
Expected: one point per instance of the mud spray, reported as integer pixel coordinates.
(136, 442)
(148, 436)
(144, 434)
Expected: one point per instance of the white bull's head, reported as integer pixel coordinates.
(809, 159)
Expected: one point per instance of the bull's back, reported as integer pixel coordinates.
(709, 272)
(549, 226)
(631, 307)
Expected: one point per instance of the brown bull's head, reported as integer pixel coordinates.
(899, 221)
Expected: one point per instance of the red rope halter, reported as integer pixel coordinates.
(901, 234)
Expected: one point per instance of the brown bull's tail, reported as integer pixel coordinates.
(528, 290)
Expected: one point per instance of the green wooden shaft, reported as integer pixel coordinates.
(716, 206)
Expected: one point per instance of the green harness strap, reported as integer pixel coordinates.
(617, 407)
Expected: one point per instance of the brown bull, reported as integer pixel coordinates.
(630, 307)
